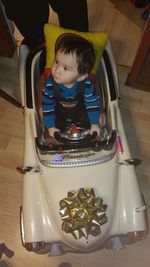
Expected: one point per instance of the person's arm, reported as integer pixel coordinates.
(92, 103)
(48, 104)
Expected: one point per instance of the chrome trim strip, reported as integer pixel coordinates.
(69, 164)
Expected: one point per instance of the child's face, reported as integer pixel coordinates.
(65, 69)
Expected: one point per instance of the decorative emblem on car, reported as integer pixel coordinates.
(82, 213)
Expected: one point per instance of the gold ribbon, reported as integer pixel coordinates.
(82, 213)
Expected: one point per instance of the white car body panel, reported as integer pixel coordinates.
(115, 182)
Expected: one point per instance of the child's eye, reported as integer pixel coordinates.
(56, 61)
(65, 68)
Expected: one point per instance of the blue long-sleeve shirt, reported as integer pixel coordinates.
(91, 100)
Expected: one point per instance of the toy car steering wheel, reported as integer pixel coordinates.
(75, 135)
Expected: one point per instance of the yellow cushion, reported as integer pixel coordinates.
(52, 32)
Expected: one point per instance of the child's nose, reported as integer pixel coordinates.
(58, 68)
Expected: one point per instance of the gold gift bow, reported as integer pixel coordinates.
(82, 213)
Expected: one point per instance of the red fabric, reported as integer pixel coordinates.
(47, 73)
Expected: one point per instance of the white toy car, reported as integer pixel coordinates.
(80, 194)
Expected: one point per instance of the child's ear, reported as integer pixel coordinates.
(82, 77)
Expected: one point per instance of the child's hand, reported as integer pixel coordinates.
(52, 130)
(95, 128)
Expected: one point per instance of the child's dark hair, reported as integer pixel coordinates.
(73, 43)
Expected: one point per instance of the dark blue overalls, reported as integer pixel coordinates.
(70, 111)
